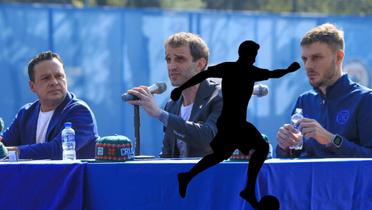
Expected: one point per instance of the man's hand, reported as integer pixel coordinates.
(176, 94)
(310, 128)
(287, 136)
(293, 67)
(146, 100)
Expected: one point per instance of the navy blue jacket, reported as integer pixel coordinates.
(22, 131)
(346, 110)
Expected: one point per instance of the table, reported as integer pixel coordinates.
(331, 184)
(315, 184)
(153, 185)
(41, 185)
(298, 184)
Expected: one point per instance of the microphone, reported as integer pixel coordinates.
(157, 88)
(260, 90)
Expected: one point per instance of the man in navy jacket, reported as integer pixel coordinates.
(337, 111)
(35, 132)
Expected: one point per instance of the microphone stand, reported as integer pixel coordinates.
(137, 130)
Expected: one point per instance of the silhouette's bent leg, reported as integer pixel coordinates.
(203, 164)
(255, 164)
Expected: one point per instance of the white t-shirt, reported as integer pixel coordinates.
(42, 125)
(185, 114)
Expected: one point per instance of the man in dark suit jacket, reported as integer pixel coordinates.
(35, 132)
(190, 122)
(201, 128)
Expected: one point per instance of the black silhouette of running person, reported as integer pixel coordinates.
(234, 132)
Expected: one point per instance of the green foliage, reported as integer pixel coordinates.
(192, 4)
(327, 7)
(356, 7)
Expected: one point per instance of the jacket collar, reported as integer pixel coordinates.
(57, 113)
(203, 94)
(202, 97)
(338, 88)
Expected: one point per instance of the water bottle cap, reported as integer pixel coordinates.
(298, 110)
(68, 124)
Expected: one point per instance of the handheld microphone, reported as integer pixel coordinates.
(156, 88)
(260, 90)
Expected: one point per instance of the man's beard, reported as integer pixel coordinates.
(191, 71)
(328, 77)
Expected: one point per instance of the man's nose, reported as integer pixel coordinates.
(53, 81)
(172, 66)
(308, 65)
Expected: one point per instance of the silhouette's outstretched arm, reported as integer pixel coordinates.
(213, 71)
(266, 74)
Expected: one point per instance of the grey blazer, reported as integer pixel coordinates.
(201, 128)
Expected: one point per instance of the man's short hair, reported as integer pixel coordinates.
(198, 48)
(48, 55)
(326, 33)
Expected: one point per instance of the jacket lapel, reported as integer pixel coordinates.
(33, 124)
(56, 118)
(202, 97)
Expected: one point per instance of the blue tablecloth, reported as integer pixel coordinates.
(320, 184)
(153, 185)
(39, 185)
(317, 184)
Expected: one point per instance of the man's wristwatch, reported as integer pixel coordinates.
(337, 140)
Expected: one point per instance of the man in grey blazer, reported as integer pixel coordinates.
(190, 122)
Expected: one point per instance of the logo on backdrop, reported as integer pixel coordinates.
(357, 72)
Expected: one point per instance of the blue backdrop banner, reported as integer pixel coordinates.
(107, 51)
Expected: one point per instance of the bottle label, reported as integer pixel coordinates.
(68, 138)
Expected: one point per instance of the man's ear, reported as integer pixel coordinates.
(31, 84)
(340, 56)
(201, 64)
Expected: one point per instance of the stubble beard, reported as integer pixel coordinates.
(329, 77)
(190, 72)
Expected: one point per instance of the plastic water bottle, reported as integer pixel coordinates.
(270, 154)
(68, 142)
(296, 117)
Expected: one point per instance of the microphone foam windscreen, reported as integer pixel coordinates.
(162, 86)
